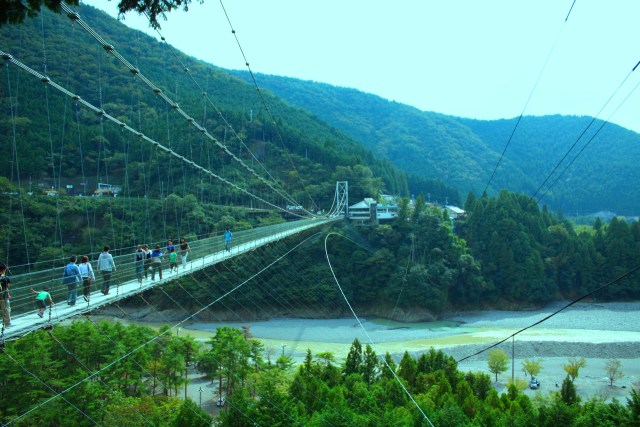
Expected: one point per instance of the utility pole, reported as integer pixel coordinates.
(513, 357)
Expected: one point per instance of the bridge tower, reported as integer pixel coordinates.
(342, 198)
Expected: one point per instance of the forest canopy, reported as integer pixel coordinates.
(15, 11)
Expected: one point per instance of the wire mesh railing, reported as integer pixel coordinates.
(22, 299)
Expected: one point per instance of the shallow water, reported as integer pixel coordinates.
(344, 331)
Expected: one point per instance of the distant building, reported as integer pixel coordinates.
(454, 212)
(387, 212)
(364, 212)
(107, 190)
(369, 212)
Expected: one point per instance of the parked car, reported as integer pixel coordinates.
(221, 402)
(534, 384)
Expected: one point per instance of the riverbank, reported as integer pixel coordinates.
(597, 332)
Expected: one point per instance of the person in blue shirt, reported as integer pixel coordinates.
(170, 247)
(71, 277)
(156, 262)
(227, 240)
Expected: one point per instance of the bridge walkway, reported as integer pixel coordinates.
(124, 284)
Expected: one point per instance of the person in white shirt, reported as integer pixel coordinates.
(106, 267)
(86, 272)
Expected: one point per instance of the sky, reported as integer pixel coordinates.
(487, 59)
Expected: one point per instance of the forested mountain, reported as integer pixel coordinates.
(600, 179)
(506, 252)
(71, 58)
(50, 141)
(463, 152)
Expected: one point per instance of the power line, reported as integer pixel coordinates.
(326, 252)
(583, 133)
(526, 104)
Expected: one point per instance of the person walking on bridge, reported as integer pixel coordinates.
(156, 262)
(106, 267)
(147, 260)
(86, 272)
(42, 298)
(71, 277)
(227, 240)
(185, 250)
(5, 306)
(139, 257)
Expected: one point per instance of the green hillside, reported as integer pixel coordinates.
(74, 60)
(463, 152)
(50, 141)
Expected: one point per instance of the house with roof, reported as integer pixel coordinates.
(454, 212)
(369, 212)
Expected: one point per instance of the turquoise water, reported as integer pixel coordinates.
(344, 330)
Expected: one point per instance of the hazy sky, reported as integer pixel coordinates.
(468, 58)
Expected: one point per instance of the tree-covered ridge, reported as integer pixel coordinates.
(463, 152)
(531, 255)
(57, 140)
(115, 375)
(599, 179)
(50, 141)
(507, 253)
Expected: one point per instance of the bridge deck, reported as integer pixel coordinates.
(27, 320)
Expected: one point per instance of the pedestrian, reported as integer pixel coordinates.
(173, 260)
(88, 277)
(170, 246)
(5, 305)
(106, 267)
(139, 257)
(156, 262)
(227, 240)
(147, 260)
(185, 250)
(42, 298)
(71, 277)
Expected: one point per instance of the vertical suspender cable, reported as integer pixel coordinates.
(15, 165)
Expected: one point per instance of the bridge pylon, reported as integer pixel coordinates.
(342, 198)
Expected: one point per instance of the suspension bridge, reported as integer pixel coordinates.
(204, 252)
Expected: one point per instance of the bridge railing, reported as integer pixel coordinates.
(22, 299)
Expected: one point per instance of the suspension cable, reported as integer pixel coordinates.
(75, 17)
(221, 116)
(326, 252)
(102, 113)
(264, 103)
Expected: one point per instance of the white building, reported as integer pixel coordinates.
(369, 212)
(454, 211)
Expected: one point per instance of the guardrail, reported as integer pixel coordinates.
(22, 299)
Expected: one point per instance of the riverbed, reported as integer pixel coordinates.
(597, 332)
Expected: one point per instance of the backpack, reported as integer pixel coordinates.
(70, 275)
(139, 256)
